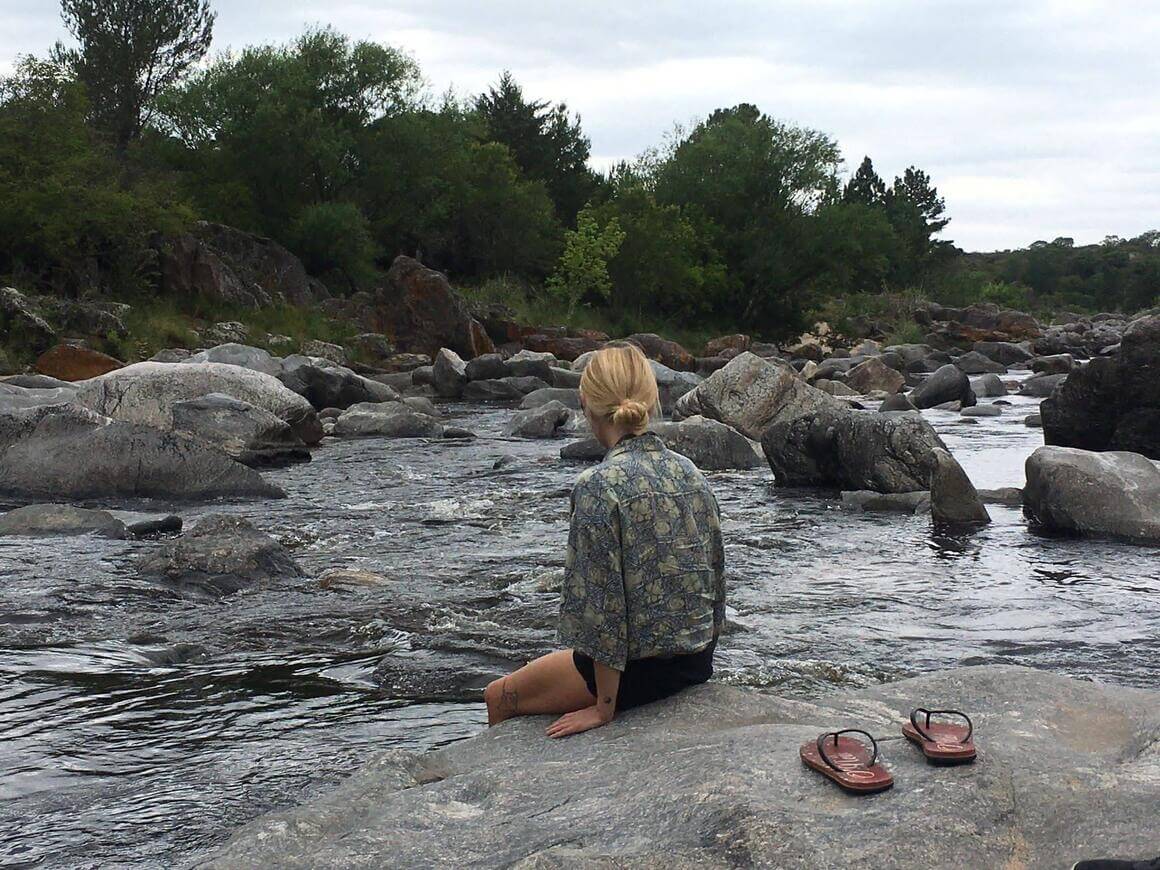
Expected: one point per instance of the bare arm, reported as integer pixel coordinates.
(600, 713)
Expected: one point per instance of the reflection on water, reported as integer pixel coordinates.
(141, 726)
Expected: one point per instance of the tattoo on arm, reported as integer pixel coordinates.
(509, 699)
(607, 700)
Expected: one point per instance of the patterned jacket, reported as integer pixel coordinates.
(645, 569)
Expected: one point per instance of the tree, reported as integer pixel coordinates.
(547, 143)
(275, 129)
(129, 52)
(583, 268)
(866, 187)
(917, 213)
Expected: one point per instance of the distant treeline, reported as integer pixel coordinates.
(336, 149)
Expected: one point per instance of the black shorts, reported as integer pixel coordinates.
(648, 680)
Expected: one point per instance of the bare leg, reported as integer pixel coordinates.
(550, 684)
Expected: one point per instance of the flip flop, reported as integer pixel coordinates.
(847, 762)
(941, 742)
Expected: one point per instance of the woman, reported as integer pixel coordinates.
(643, 593)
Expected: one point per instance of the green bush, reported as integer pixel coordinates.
(335, 238)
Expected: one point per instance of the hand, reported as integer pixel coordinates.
(580, 720)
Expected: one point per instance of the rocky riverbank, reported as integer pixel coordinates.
(1067, 770)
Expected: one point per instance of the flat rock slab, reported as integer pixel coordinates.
(712, 778)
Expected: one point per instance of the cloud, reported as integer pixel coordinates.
(1035, 119)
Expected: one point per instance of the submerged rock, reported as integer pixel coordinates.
(712, 778)
(1084, 492)
(865, 500)
(389, 419)
(40, 520)
(539, 421)
(221, 554)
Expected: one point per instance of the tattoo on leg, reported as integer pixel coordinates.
(509, 699)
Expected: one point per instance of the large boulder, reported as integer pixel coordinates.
(221, 554)
(43, 520)
(750, 393)
(63, 452)
(1041, 386)
(667, 353)
(448, 374)
(421, 313)
(253, 436)
(146, 392)
(711, 445)
(389, 419)
(69, 362)
(948, 384)
(838, 448)
(228, 265)
(974, 363)
(874, 374)
(1138, 408)
(539, 421)
(489, 367)
(953, 498)
(1084, 492)
(988, 386)
(326, 385)
(712, 778)
(1081, 410)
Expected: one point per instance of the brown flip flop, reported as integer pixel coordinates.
(847, 762)
(941, 742)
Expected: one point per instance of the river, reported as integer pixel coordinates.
(140, 726)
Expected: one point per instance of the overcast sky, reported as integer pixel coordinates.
(1035, 118)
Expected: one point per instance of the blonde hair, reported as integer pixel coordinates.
(618, 384)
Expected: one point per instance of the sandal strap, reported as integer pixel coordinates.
(928, 713)
(836, 735)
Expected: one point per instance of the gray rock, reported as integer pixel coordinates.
(874, 374)
(566, 397)
(711, 445)
(424, 375)
(584, 450)
(41, 520)
(1041, 386)
(38, 382)
(238, 355)
(974, 363)
(57, 453)
(538, 421)
(326, 385)
(372, 347)
(1084, 492)
(566, 378)
(1004, 352)
(834, 388)
(448, 374)
(397, 381)
(953, 498)
(530, 368)
(897, 402)
(1008, 495)
(982, 411)
(948, 384)
(848, 450)
(251, 435)
(492, 391)
(750, 393)
(228, 332)
(525, 384)
(1033, 421)
(421, 405)
(988, 386)
(894, 502)
(489, 367)
(325, 350)
(388, 419)
(458, 432)
(143, 525)
(21, 323)
(146, 392)
(1056, 364)
(910, 353)
(544, 357)
(171, 355)
(221, 554)
(712, 778)
(14, 398)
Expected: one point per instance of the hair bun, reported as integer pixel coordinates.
(631, 414)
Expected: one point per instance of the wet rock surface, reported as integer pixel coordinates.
(1067, 769)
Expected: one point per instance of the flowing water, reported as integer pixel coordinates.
(139, 726)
